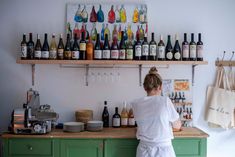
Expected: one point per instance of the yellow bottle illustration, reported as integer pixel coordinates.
(135, 17)
(123, 14)
(129, 32)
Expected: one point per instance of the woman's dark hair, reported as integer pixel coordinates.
(152, 80)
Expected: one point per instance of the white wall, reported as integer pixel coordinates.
(64, 89)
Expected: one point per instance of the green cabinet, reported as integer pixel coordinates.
(81, 148)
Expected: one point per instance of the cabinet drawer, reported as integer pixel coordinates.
(21, 146)
(193, 147)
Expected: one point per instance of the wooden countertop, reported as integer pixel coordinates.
(109, 133)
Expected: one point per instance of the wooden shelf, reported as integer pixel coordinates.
(225, 63)
(109, 62)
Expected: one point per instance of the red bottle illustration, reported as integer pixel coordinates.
(93, 16)
(111, 15)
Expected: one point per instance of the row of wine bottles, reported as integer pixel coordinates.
(126, 119)
(123, 50)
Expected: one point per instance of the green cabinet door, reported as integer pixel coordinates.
(81, 148)
(190, 147)
(120, 147)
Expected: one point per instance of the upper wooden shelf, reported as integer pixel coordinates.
(109, 62)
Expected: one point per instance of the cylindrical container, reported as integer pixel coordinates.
(84, 115)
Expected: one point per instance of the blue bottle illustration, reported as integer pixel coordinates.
(100, 15)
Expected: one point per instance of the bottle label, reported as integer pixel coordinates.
(114, 54)
(67, 54)
(199, 51)
(82, 46)
(138, 50)
(169, 55)
(75, 54)
(23, 51)
(131, 121)
(98, 54)
(60, 53)
(45, 54)
(106, 54)
(116, 122)
(161, 51)
(185, 51)
(30, 50)
(153, 50)
(177, 55)
(38, 54)
(145, 51)
(122, 54)
(53, 54)
(124, 121)
(129, 54)
(192, 50)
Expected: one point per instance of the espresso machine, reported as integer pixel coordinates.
(33, 118)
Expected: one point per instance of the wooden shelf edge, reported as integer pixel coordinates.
(225, 63)
(110, 62)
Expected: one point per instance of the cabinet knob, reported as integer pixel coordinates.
(30, 147)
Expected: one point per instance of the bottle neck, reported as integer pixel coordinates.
(192, 38)
(45, 38)
(152, 37)
(185, 37)
(169, 39)
(199, 37)
(30, 37)
(24, 38)
(116, 110)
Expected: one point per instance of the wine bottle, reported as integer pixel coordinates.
(38, 48)
(152, 49)
(131, 119)
(185, 48)
(75, 49)
(67, 49)
(23, 54)
(114, 50)
(145, 49)
(177, 50)
(129, 50)
(53, 48)
(199, 48)
(82, 47)
(161, 49)
(60, 49)
(105, 115)
(122, 48)
(106, 48)
(138, 48)
(124, 116)
(89, 49)
(116, 119)
(169, 54)
(45, 48)
(192, 49)
(97, 51)
(30, 47)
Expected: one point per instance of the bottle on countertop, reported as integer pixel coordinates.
(169, 53)
(60, 48)
(129, 50)
(138, 48)
(53, 48)
(161, 50)
(82, 46)
(89, 49)
(199, 48)
(122, 47)
(38, 48)
(116, 119)
(152, 49)
(45, 48)
(131, 119)
(114, 50)
(106, 49)
(97, 49)
(177, 50)
(185, 49)
(67, 49)
(75, 49)
(30, 47)
(192, 49)
(23, 45)
(124, 116)
(105, 115)
(145, 49)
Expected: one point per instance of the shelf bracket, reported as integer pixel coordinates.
(33, 73)
(140, 74)
(193, 73)
(87, 72)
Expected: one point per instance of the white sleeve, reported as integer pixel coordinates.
(172, 114)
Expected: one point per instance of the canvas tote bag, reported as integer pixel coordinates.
(220, 101)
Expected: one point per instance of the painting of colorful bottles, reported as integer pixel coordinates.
(108, 19)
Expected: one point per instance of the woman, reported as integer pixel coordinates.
(155, 116)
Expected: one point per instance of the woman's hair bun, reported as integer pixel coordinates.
(153, 71)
